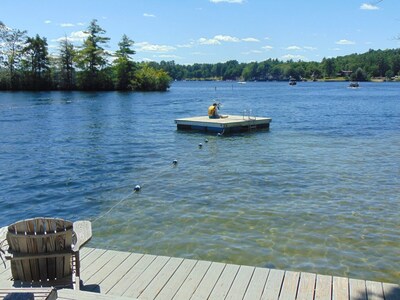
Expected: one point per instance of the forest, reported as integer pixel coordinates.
(26, 64)
(374, 64)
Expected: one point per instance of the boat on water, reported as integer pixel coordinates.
(354, 84)
(292, 81)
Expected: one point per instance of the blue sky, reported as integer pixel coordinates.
(211, 31)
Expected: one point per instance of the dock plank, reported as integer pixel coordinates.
(161, 279)
(240, 283)
(68, 294)
(89, 259)
(140, 284)
(290, 284)
(208, 282)
(130, 277)
(120, 271)
(173, 285)
(273, 285)
(257, 284)
(123, 275)
(323, 287)
(306, 288)
(191, 283)
(109, 266)
(391, 291)
(357, 289)
(97, 265)
(340, 288)
(224, 282)
(374, 290)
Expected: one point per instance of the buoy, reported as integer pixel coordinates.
(206, 140)
(175, 162)
(137, 188)
(219, 134)
(200, 145)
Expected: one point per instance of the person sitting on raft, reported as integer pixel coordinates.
(213, 112)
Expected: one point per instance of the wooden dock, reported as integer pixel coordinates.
(230, 124)
(110, 274)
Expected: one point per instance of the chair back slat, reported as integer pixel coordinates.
(23, 248)
(32, 248)
(16, 266)
(41, 247)
(51, 247)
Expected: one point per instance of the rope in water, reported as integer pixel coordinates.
(136, 189)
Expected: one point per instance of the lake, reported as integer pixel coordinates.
(317, 192)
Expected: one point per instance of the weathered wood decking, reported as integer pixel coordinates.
(143, 276)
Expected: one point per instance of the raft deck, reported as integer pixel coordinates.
(230, 124)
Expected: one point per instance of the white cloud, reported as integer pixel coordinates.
(227, 1)
(199, 53)
(204, 41)
(189, 45)
(147, 47)
(293, 57)
(309, 48)
(368, 6)
(167, 56)
(293, 48)
(149, 15)
(67, 25)
(267, 48)
(226, 38)
(47, 22)
(252, 52)
(336, 49)
(345, 42)
(77, 36)
(80, 24)
(250, 39)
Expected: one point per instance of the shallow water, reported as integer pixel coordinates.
(318, 192)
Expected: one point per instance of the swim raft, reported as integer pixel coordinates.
(229, 124)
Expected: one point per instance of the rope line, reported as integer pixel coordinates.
(135, 191)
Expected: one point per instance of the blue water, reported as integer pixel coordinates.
(318, 192)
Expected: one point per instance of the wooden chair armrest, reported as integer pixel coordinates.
(3, 233)
(83, 232)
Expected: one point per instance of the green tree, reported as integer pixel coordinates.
(92, 59)
(66, 65)
(149, 79)
(359, 75)
(11, 52)
(328, 67)
(36, 63)
(123, 64)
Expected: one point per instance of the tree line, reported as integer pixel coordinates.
(358, 67)
(25, 64)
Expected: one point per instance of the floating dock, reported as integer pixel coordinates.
(229, 124)
(112, 275)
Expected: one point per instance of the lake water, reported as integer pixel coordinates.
(318, 192)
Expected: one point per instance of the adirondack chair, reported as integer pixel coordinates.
(45, 251)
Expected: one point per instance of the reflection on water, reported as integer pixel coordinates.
(318, 192)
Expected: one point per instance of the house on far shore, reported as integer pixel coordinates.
(344, 73)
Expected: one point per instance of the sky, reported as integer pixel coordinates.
(212, 31)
